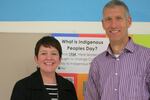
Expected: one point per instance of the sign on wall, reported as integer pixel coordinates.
(78, 52)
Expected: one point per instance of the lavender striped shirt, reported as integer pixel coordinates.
(126, 77)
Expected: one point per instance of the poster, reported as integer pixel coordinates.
(78, 52)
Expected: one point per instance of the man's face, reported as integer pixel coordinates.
(116, 23)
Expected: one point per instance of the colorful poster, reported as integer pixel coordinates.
(78, 52)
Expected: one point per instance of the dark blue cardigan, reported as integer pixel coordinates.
(32, 88)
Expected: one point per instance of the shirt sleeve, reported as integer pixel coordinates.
(91, 91)
(18, 92)
(148, 75)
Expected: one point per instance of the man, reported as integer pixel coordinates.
(122, 72)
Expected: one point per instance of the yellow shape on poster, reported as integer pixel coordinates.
(143, 39)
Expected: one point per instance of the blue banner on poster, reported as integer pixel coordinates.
(66, 10)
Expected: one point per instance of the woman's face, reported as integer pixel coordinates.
(48, 59)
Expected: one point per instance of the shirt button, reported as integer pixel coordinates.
(116, 74)
(115, 89)
(117, 59)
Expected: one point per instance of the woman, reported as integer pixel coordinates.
(45, 83)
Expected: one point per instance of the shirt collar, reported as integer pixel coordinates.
(128, 48)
